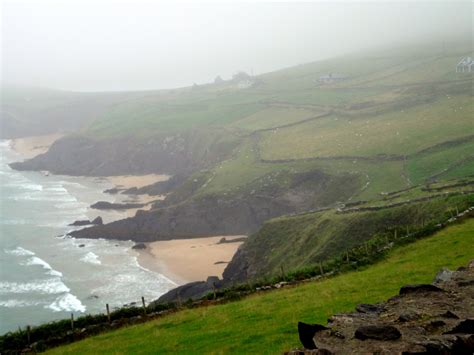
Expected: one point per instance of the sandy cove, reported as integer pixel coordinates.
(187, 260)
(182, 260)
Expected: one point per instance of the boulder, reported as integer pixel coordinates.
(463, 327)
(463, 345)
(377, 332)
(419, 288)
(97, 221)
(369, 308)
(307, 332)
(139, 246)
(408, 317)
(443, 275)
(449, 314)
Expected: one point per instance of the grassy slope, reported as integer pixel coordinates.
(266, 323)
(397, 132)
(295, 242)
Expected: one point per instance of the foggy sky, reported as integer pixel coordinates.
(129, 45)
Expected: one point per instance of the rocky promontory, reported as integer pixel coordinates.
(82, 155)
(104, 205)
(96, 221)
(241, 213)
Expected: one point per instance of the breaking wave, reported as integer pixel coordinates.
(38, 261)
(67, 303)
(47, 287)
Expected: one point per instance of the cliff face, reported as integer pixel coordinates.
(163, 153)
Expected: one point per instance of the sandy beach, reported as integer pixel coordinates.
(29, 147)
(187, 260)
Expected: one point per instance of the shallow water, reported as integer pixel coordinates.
(45, 275)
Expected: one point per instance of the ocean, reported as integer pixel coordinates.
(46, 275)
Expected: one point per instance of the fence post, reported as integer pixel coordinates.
(321, 267)
(366, 248)
(282, 271)
(72, 322)
(214, 289)
(28, 334)
(143, 304)
(108, 312)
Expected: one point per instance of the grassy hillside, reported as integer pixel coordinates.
(266, 323)
(295, 242)
(400, 117)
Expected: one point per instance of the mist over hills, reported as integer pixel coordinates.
(248, 149)
(341, 154)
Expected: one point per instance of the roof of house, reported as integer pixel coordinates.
(466, 61)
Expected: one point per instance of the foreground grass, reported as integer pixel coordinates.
(266, 323)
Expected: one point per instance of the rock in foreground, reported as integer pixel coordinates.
(422, 319)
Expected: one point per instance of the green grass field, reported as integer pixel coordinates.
(399, 132)
(443, 162)
(266, 323)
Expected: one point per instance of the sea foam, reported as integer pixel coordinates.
(49, 286)
(67, 303)
(19, 251)
(18, 303)
(91, 258)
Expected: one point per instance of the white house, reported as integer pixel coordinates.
(465, 65)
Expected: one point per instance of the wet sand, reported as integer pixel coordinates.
(187, 260)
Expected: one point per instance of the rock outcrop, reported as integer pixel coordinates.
(96, 221)
(190, 291)
(104, 205)
(422, 319)
(241, 213)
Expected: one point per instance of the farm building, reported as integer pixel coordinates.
(465, 65)
(331, 78)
